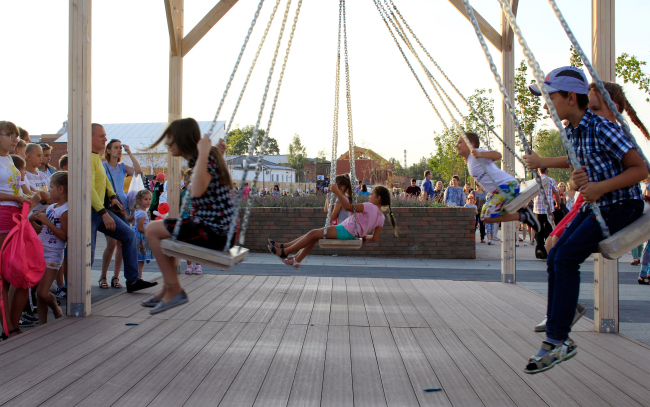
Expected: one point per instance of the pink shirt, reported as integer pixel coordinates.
(367, 221)
(247, 190)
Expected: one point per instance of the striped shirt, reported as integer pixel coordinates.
(550, 191)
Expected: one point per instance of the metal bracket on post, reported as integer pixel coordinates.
(607, 326)
(77, 309)
(509, 278)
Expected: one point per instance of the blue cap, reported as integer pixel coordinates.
(566, 78)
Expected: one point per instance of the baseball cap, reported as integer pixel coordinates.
(160, 176)
(566, 78)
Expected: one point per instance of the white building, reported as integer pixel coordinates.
(270, 175)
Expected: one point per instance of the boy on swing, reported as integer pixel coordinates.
(609, 177)
(506, 189)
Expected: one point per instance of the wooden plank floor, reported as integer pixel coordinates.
(310, 341)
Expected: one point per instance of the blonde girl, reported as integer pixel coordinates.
(142, 201)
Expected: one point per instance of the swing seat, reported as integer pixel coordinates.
(213, 258)
(527, 191)
(340, 244)
(628, 238)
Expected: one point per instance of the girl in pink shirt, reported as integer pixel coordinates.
(370, 219)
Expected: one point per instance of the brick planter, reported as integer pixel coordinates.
(432, 233)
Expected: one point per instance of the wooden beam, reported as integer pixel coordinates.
(509, 230)
(605, 294)
(511, 34)
(206, 24)
(490, 33)
(175, 112)
(174, 37)
(603, 53)
(79, 142)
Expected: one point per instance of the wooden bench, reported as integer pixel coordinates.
(214, 258)
(527, 191)
(627, 238)
(340, 244)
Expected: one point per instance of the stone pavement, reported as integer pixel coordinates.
(531, 274)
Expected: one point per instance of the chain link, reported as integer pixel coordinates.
(539, 77)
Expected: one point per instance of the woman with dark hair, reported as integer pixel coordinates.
(211, 210)
(364, 190)
(116, 171)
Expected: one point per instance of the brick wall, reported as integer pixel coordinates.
(434, 233)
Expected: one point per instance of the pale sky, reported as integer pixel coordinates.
(131, 48)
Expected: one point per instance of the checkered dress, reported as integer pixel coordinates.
(214, 208)
(600, 146)
(550, 190)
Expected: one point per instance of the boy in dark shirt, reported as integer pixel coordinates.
(413, 189)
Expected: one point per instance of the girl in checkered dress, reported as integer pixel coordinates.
(211, 209)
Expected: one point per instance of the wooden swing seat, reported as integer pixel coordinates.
(213, 258)
(628, 238)
(340, 244)
(527, 191)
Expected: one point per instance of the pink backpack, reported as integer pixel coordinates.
(22, 261)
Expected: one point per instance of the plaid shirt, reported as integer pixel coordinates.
(550, 190)
(600, 146)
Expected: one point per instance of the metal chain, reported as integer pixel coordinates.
(476, 113)
(539, 77)
(508, 103)
(599, 83)
(335, 124)
(266, 138)
(251, 149)
(348, 100)
(252, 67)
(234, 70)
(187, 199)
(384, 14)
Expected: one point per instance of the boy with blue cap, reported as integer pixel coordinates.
(609, 177)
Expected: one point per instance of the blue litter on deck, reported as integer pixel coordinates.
(429, 390)
(131, 324)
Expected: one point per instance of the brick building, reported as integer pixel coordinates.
(369, 166)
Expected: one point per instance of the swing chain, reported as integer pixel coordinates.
(508, 103)
(539, 77)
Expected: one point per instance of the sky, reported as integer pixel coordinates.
(130, 65)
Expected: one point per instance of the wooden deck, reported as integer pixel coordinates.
(309, 341)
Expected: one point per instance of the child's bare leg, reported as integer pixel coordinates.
(21, 297)
(140, 266)
(550, 242)
(118, 260)
(277, 244)
(302, 242)
(331, 234)
(155, 232)
(45, 298)
(524, 228)
(508, 217)
(5, 299)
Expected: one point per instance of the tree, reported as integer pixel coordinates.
(483, 104)
(527, 105)
(321, 155)
(297, 156)
(575, 59)
(446, 162)
(397, 167)
(550, 145)
(239, 140)
(628, 68)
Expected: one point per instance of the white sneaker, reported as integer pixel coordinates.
(525, 244)
(516, 244)
(490, 242)
(189, 270)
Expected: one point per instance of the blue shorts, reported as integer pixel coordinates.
(343, 234)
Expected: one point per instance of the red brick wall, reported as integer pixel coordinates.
(432, 233)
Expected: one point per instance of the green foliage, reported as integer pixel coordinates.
(550, 145)
(297, 156)
(238, 142)
(397, 167)
(446, 162)
(322, 155)
(483, 103)
(575, 60)
(527, 105)
(628, 68)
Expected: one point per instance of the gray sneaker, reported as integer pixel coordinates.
(151, 302)
(180, 299)
(580, 311)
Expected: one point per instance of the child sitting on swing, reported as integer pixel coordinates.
(211, 210)
(369, 218)
(507, 189)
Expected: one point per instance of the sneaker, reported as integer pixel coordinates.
(189, 270)
(61, 292)
(32, 318)
(525, 244)
(23, 323)
(490, 242)
(139, 285)
(580, 311)
(556, 354)
(516, 244)
(198, 269)
(496, 239)
(530, 219)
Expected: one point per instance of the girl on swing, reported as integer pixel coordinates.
(211, 210)
(369, 219)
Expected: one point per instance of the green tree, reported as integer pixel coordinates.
(446, 161)
(628, 68)
(397, 167)
(550, 145)
(297, 156)
(527, 105)
(575, 59)
(483, 103)
(239, 139)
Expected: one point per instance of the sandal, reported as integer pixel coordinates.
(291, 261)
(555, 355)
(272, 243)
(274, 250)
(644, 281)
(103, 285)
(635, 262)
(115, 282)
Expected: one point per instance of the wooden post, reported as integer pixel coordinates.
(509, 229)
(79, 142)
(175, 106)
(605, 270)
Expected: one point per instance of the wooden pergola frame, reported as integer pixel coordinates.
(79, 130)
